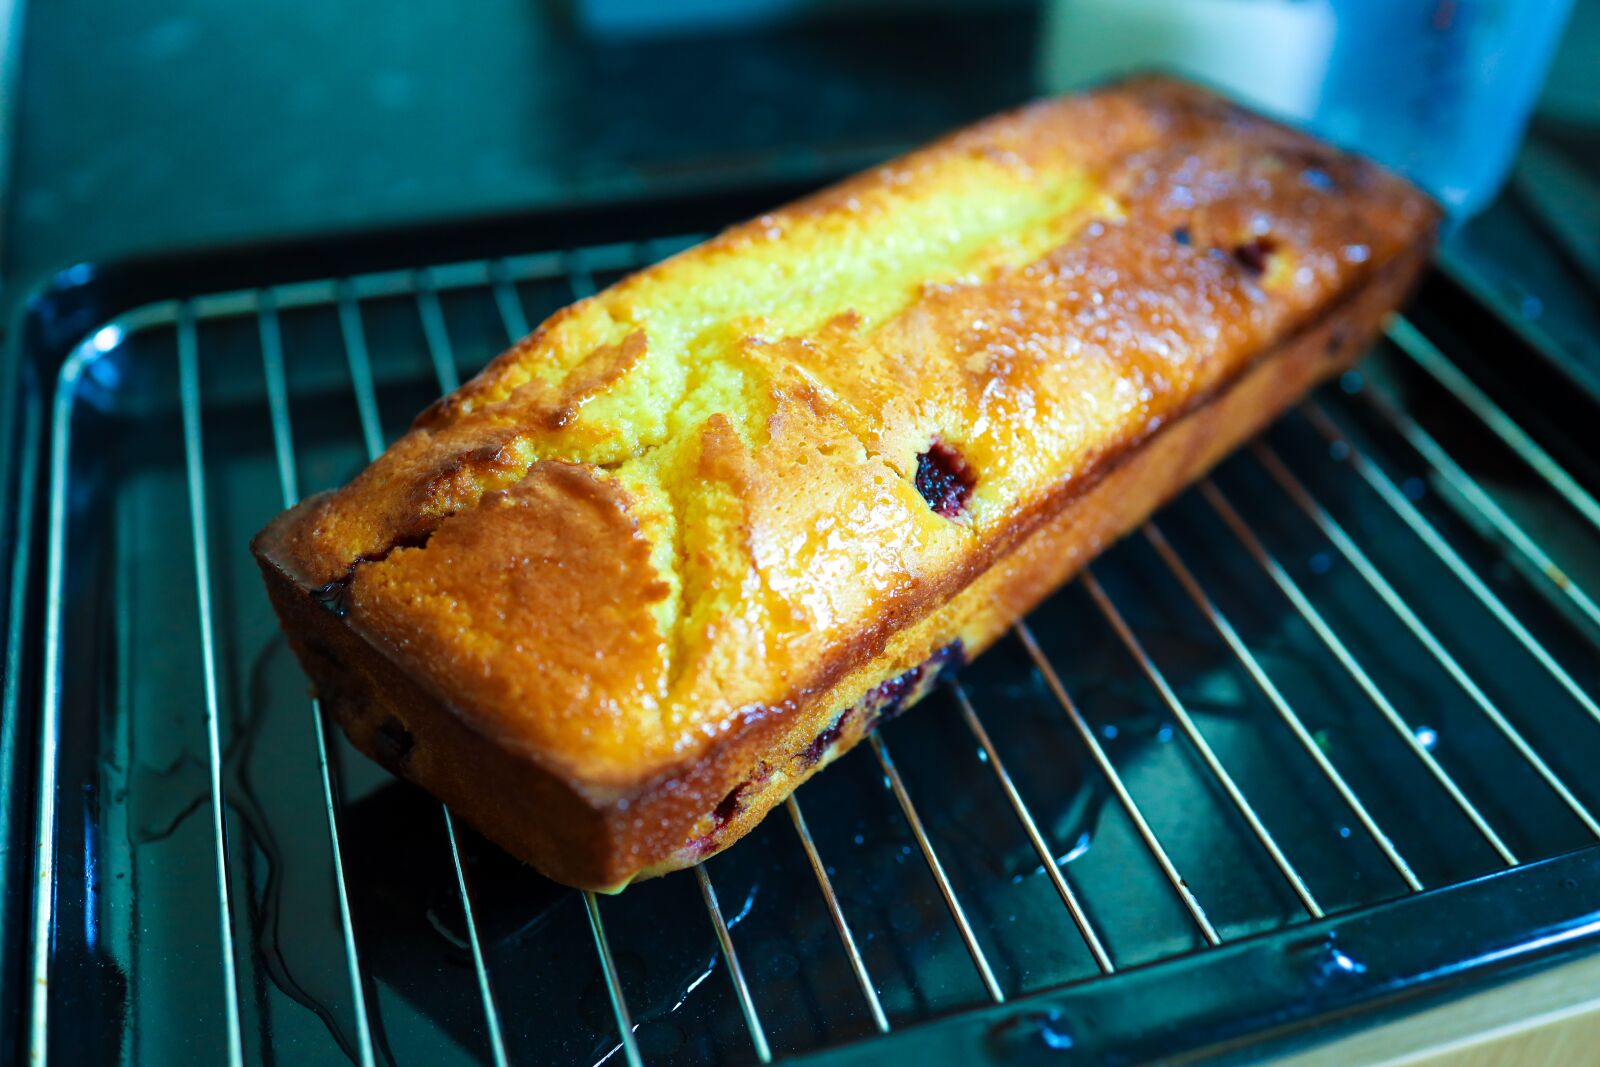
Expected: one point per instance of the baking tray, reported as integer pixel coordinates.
(1315, 746)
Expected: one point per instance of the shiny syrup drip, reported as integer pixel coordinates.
(334, 597)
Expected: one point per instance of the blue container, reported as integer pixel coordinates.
(1437, 89)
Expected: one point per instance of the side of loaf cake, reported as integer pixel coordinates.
(617, 596)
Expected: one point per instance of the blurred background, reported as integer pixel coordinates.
(141, 125)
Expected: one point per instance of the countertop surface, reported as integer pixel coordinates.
(175, 124)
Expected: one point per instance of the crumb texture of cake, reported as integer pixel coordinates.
(700, 513)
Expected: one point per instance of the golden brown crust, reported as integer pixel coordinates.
(651, 553)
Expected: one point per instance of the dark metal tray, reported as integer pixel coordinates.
(1317, 743)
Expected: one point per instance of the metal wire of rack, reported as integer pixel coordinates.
(426, 290)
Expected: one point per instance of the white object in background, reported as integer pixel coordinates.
(1272, 54)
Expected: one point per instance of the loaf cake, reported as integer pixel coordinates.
(664, 559)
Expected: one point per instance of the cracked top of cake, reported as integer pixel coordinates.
(686, 499)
